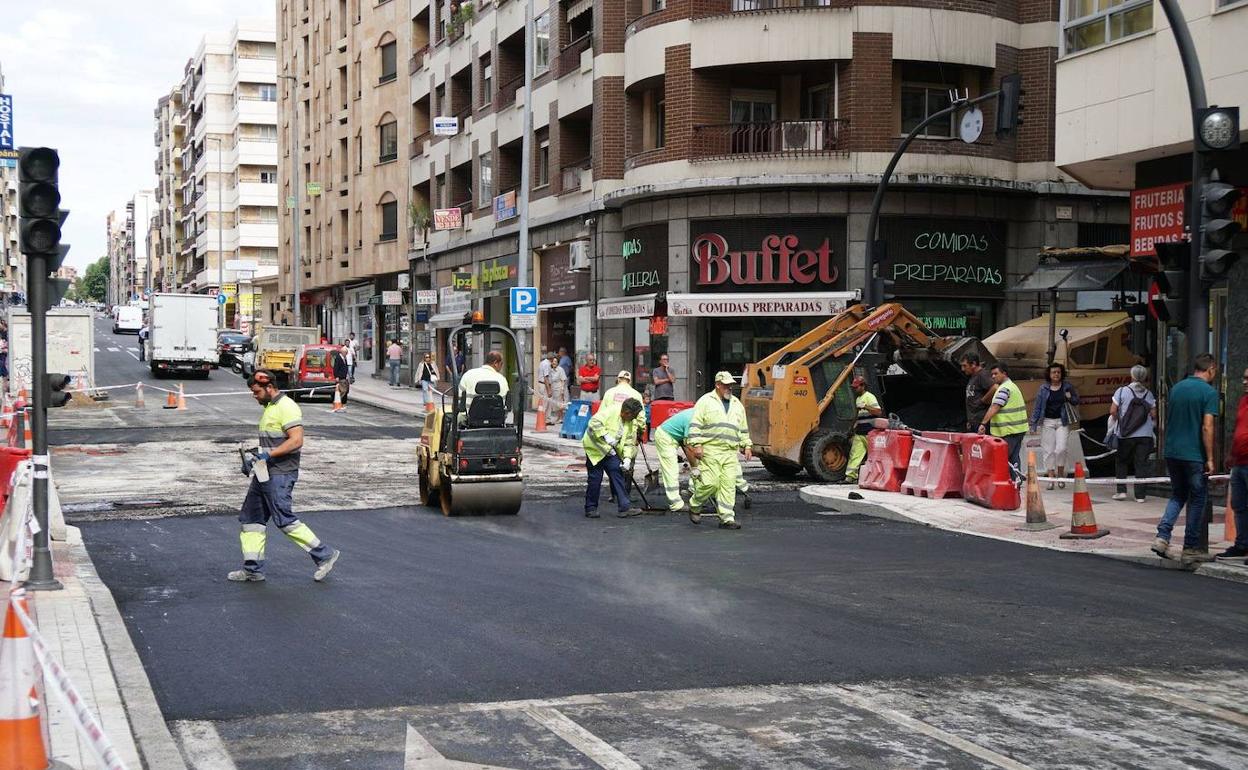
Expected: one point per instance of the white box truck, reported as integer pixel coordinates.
(127, 319)
(182, 334)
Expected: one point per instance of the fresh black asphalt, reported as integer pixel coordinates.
(424, 610)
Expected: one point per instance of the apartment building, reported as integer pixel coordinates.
(703, 172)
(12, 263)
(1124, 123)
(216, 164)
(341, 83)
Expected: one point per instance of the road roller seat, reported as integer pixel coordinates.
(488, 408)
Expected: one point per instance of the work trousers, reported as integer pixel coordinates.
(1132, 455)
(669, 467)
(718, 479)
(857, 456)
(609, 465)
(273, 500)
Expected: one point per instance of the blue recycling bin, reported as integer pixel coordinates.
(576, 420)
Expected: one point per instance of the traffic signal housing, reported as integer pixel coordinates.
(1171, 281)
(55, 390)
(882, 288)
(1010, 104)
(39, 201)
(1217, 229)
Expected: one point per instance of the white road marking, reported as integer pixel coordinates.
(97, 350)
(601, 752)
(114, 350)
(923, 728)
(419, 754)
(133, 355)
(202, 746)
(1159, 693)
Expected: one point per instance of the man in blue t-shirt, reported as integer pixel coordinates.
(1189, 458)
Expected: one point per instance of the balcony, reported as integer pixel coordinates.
(417, 61)
(777, 138)
(577, 177)
(506, 95)
(569, 59)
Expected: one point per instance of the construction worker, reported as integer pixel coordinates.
(610, 446)
(669, 440)
(717, 432)
(1007, 416)
(868, 409)
(281, 443)
(490, 371)
(621, 392)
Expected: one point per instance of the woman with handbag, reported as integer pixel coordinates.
(1052, 418)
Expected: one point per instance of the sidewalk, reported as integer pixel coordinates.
(86, 635)
(410, 401)
(1132, 525)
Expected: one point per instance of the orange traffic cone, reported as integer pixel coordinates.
(21, 737)
(181, 398)
(1082, 519)
(139, 402)
(539, 418)
(28, 440)
(171, 400)
(1037, 520)
(338, 407)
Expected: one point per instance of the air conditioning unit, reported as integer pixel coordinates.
(578, 255)
(801, 135)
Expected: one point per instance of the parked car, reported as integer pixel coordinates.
(315, 369)
(231, 346)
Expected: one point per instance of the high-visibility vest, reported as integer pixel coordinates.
(600, 427)
(1011, 418)
(716, 427)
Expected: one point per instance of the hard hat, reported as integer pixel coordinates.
(725, 378)
(624, 375)
(858, 380)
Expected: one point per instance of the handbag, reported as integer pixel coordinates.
(1072, 412)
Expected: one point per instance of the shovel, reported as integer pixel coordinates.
(652, 474)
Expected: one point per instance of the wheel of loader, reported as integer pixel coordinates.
(779, 469)
(825, 455)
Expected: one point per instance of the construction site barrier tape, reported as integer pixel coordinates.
(88, 727)
(149, 386)
(1129, 480)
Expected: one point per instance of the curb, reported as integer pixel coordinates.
(156, 746)
(814, 496)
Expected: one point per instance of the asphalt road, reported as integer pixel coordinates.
(424, 609)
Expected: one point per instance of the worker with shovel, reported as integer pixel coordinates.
(718, 431)
(610, 444)
(669, 441)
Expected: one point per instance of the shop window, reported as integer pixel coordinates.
(1091, 23)
(918, 101)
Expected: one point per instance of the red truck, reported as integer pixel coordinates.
(315, 369)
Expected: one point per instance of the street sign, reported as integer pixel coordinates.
(523, 307)
(220, 299)
(426, 297)
(392, 298)
(523, 321)
(314, 189)
(443, 126)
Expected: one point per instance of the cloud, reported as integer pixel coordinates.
(85, 78)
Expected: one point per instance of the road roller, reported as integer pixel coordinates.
(469, 456)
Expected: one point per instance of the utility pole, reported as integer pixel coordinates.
(220, 237)
(296, 262)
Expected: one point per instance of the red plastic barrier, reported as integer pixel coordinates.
(9, 458)
(935, 467)
(661, 410)
(888, 458)
(986, 460)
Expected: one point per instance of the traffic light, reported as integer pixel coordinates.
(1217, 229)
(881, 287)
(1010, 104)
(1171, 282)
(39, 200)
(56, 395)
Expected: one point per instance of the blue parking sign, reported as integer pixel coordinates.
(523, 300)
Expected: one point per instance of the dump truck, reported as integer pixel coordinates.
(277, 349)
(799, 403)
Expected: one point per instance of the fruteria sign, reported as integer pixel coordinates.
(1156, 216)
(6, 122)
(448, 219)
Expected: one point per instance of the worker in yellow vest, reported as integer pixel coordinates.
(717, 433)
(868, 407)
(1007, 416)
(610, 444)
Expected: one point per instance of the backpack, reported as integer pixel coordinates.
(1135, 415)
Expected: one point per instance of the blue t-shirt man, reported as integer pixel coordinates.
(1190, 401)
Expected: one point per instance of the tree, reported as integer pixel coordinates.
(93, 286)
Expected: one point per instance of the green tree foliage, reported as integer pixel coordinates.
(93, 285)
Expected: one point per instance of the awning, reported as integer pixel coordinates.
(579, 7)
(641, 306)
(764, 304)
(1070, 276)
(558, 305)
(446, 319)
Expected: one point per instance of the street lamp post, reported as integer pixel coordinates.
(295, 265)
(220, 236)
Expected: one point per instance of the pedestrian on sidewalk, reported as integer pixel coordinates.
(1006, 417)
(717, 433)
(394, 357)
(663, 380)
(565, 363)
(610, 446)
(542, 385)
(355, 353)
(349, 354)
(868, 407)
(1237, 461)
(427, 378)
(558, 380)
(1189, 458)
(979, 390)
(143, 335)
(342, 373)
(1052, 417)
(281, 445)
(1133, 410)
(589, 375)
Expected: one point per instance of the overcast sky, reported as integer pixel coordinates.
(85, 76)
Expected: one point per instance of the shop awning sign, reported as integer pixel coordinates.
(764, 304)
(626, 307)
(1156, 215)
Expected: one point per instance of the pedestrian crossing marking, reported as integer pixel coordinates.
(114, 350)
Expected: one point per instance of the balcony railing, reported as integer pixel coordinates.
(417, 60)
(506, 95)
(569, 59)
(570, 176)
(772, 138)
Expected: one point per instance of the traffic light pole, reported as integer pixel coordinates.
(873, 224)
(41, 578)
